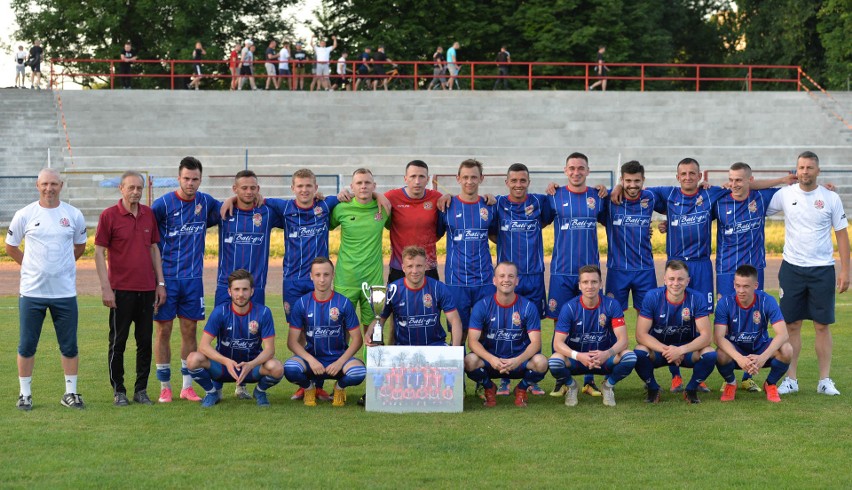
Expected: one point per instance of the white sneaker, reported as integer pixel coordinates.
(608, 394)
(826, 387)
(571, 395)
(242, 393)
(790, 385)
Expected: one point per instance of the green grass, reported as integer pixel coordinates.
(802, 442)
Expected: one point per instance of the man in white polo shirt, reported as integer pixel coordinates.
(807, 277)
(323, 56)
(55, 235)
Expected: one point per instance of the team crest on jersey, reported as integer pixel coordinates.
(483, 213)
(756, 317)
(428, 205)
(551, 305)
(334, 314)
(685, 314)
(644, 203)
(378, 216)
(699, 201)
(602, 320)
(64, 223)
(318, 211)
(529, 210)
(590, 202)
(752, 206)
(427, 300)
(253, 326)
(516, 319)
(819, 204)
(198, 208)
(610, 295)
(257, 219)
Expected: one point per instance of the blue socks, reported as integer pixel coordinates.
(202, 377)
(645, 369)
(776, 370)
(480, 376)
(622, 369)
(295, 373)
(703, 368)
(353, 377)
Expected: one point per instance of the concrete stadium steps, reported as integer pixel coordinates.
(28, 127)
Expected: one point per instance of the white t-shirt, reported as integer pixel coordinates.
(808, 220)
(284, 59)
(323, 54)
(20, 57)
(341, 66)
(48, 269)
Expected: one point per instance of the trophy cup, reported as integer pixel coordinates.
(376, 296)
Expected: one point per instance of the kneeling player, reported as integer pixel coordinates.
(245, 345)
(505, 339)
(591, 332)
(742, 336)
(326, 317)
(673, 328)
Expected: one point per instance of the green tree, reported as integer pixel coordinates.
(158, 29)
(835, 32)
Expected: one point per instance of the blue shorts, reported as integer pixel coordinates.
(562, 290)
(184, 298)
(517, 373)
(325, 361)
(293, 290)
(531, 287)
(467, 296)
(807, 293)
(701, 278)
(63, 312)
(756, 349)
(725, 283)
(219, 373)
(659, 360)
(621, 283)
(577, 367)
(222, 295)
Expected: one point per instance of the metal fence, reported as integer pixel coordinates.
(17, 192)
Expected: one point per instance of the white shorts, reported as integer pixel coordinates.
(323, 69)
(270, 69)
(21, 69)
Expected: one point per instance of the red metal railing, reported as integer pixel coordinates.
(420, 73)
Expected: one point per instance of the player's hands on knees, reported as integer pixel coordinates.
(244, 369)
(334, 368)
(597, 358)
(586, 359)
(233, 368)
(511, 364)
(108, 298)
(316, 367)
(673, 354)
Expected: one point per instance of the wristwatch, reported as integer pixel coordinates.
(161, 284)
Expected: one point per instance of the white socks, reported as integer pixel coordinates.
(71, 383)
(26, 385)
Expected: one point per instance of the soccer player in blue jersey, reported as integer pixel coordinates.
(591, 337)
(505, 339)
(326, 318)
(742, 336)
(182, 217)
(416, 302)
(673, 328)
(245, 345)
(467, 222)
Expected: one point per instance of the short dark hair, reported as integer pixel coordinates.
(239, 275)
(746, 270)
(470, 163)
(589, 269)
(632, 167)
(417, 163)
(677, 265)
(809, 155)
(579, 155)
(506, 263)
(518, 167)
(742, 166)
(689, 161)
(322, 260)
(189, 163)
(245, 173)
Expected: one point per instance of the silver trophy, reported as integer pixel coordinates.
(376, 295)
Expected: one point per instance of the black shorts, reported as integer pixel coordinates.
(245, 71)
(396, 274)
(197, 69)
(807, 293)
(36, 68)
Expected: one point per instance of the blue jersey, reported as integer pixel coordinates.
(748, 327)
(505, 328)
(467, 225)
(417, 312)
(740, 231)
(674, 324)
(590, 329)
(240, 337)
(628, 233)
(519, 231)
(183, 228)
(305, 234)
(325, 324)
(690, 218)
(575, 242)
(244, 243)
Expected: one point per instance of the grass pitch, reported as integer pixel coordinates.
(802, 442)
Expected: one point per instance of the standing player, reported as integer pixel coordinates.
(673, 328)
(807, 275)
(416, 302)
(414, 219)
(467, 222)
(505, 339)
(245, 345)
(182, 217)
(55, 235)
(591, 338)
(578, 209)
(326, 318)
(741, 334)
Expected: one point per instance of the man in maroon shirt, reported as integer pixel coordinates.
(133, 285)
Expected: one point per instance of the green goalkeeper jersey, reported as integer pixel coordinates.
(360, 255)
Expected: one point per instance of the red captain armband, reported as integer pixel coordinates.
(617, 322)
